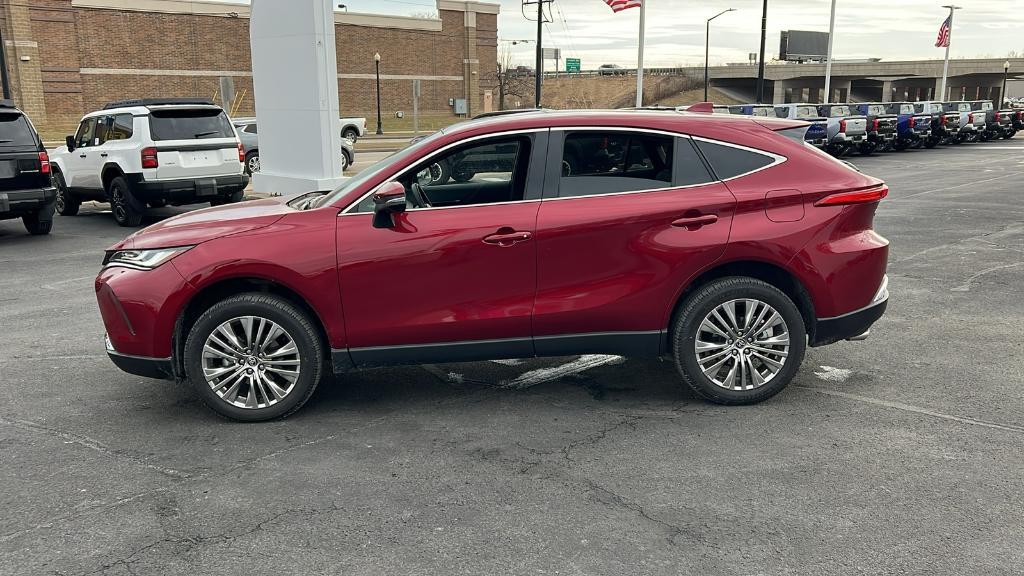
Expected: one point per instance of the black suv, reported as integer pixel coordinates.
(26, 190)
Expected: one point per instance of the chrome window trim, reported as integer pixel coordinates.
(776, 160)
(347, 210)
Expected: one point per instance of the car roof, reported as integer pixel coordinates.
(670, 120)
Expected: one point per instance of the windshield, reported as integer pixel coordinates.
(190, 124)
(15, 130)
(371, 172)
(876, 110)
(906, 109)
(806, 112)
(839, 111)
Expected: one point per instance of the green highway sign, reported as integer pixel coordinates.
(572, 64)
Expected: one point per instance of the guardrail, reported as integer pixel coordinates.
(626, 72)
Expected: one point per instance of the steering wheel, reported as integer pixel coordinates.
(418, 197)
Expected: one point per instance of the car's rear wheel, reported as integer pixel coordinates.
(67, 205)
(351, 134)
(738, 340)
(252, 163)
(38, 224)
(123, 205)
(254, 357)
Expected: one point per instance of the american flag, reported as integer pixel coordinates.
(620, 5)
(943, 40)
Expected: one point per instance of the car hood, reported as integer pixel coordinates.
(202, 225)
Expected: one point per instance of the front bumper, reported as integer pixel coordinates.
(26, 201)
(853, 325)
(188, 190)
(159, 368)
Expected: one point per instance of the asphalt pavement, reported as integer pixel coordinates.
(902, 454)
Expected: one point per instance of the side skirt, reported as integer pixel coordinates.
(632, 344)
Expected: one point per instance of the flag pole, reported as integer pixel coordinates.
(640, 59)
(945, 65)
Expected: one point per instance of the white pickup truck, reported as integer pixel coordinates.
(353, 128)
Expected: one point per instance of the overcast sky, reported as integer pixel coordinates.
(888, 29)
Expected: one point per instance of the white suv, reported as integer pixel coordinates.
(150, 152)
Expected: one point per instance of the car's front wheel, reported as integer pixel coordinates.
(254, 357)
(738, 340)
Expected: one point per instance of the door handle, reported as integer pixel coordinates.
(82, 156)
(103, 154)
(507, 239)
(695, 221)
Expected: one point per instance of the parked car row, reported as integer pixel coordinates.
(869, 127)
(134, 155)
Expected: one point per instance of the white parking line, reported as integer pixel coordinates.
(541, 375)
(916, 409)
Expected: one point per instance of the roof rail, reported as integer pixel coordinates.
(156, 102)
(7, 103)
(507, 112)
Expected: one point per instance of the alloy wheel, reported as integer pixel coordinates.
(742, 344)
(254, 164)
(250, 362)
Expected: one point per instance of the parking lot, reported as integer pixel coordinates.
(900, 454)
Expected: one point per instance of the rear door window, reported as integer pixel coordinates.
(730, 161)
(189, 124)
(15, 130)
(595, 163)
(119, 127)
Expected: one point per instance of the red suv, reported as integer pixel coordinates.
(725, 243)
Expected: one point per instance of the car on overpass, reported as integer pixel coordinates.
(663, 242)
(611, 70)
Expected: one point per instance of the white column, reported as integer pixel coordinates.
(640, 59)
(295, 84)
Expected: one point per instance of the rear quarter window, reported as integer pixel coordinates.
(730, 162)
(190, 124)
(15, 130)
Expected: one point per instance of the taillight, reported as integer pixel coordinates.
(149, 159)
(44, 163)
(842, 126)
(913, 122)
(944, 120)
(241, 153)
(874, 124)
(855, 197)
(970, 118)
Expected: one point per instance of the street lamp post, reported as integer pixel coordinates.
(707, 48)
(376, 61)
(1002, 93)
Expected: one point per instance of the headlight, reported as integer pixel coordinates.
(142, 259)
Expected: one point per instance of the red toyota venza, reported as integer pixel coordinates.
(726, 244)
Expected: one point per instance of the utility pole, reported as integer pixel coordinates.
(828, 58)
(707, 48)
(760, 66)
(539, 70)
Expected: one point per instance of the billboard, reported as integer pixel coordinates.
(802, 45)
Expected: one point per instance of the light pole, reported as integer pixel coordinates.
(376, 61)
(707, 48)
(1002, 93)
(828, 58)
(760, 67)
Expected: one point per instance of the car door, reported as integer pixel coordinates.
(628, 217)
(77, 171)
(454, 280)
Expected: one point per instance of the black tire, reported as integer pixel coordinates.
(252, 162)
(311, 350)
(126, 211)
(67, 205)
(350, 133)
(159, 203)
(235, 196)
(346, 162)
(1010, 134)
(700, 303)
(38, 223)
(930, 143)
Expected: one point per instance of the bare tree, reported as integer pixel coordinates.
(510, 82)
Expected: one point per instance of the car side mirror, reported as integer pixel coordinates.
(388, 201)
(70, 141)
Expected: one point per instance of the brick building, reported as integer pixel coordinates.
(66, 57)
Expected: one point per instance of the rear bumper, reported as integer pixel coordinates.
(187, 190)
(853, 325)
(26, 201)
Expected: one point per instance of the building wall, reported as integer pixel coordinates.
(84, 53)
